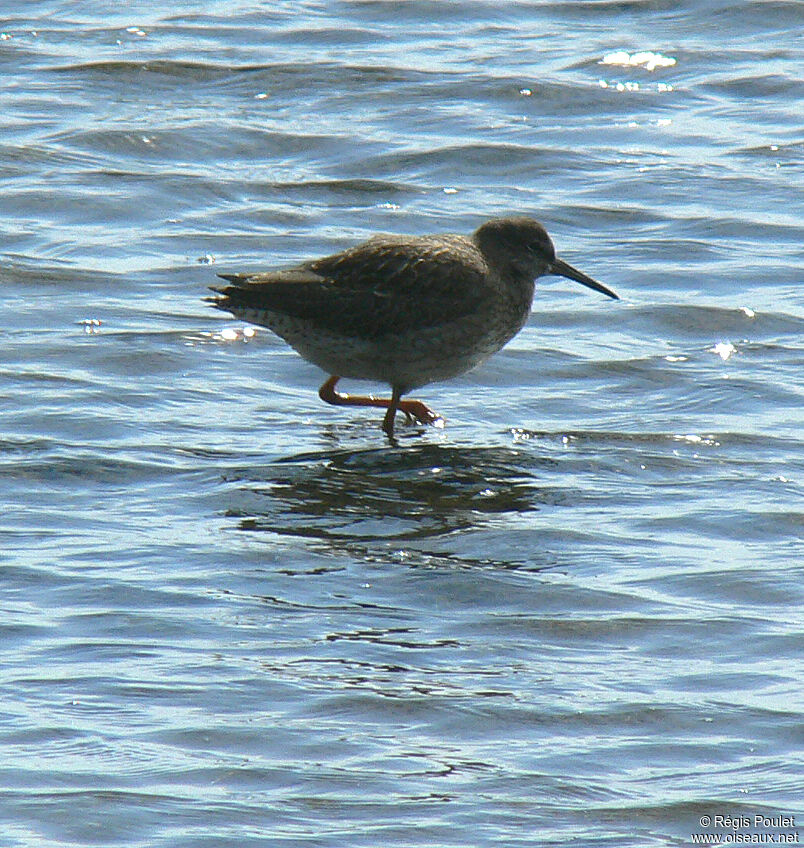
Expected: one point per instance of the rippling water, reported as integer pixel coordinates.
(236, 616)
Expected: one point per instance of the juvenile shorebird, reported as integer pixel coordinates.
(404, 310)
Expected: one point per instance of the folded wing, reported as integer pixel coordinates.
(385, 286)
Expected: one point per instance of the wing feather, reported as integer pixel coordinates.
(384, 286)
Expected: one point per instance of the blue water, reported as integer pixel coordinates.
(235, 616)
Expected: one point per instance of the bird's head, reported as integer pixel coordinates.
(522, 246)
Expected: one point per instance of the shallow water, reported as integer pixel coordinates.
(236, 616)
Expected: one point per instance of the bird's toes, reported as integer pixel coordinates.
(415, 410)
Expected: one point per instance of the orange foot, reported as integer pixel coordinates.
(414, 410)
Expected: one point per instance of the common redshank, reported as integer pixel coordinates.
(404, 310)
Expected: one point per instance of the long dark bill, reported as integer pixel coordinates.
(564, 269)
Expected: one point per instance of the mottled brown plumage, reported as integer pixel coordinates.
(404, 310)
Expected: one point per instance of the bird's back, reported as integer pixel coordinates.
(385, 286)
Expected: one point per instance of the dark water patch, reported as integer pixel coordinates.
(278, 77)
(62, 470)
(159, 144)
(790, 153)
(142, 72)
(705, 322)
(473, 159)
(54, 277)
(381, 495)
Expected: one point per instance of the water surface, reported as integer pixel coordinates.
(236, 616)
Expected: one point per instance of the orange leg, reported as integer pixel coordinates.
(414, 410)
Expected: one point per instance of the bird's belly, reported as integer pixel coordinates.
(408, 360)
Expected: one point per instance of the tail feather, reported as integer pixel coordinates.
(235, 297)
(222, 299)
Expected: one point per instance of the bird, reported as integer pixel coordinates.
(403, 310)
